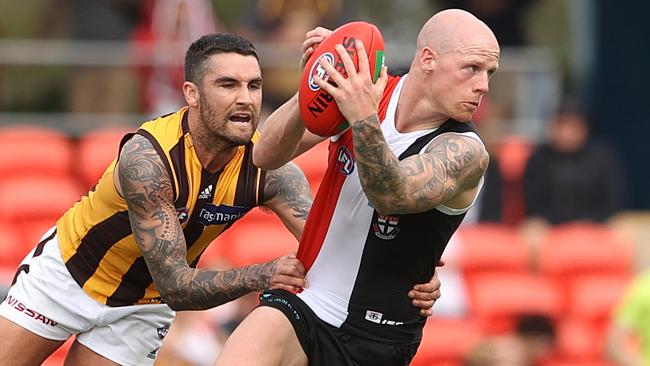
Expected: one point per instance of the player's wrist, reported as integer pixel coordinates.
(370, 118)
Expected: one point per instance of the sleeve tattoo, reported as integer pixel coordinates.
(147, 189)
(452, 163)
(289, 186)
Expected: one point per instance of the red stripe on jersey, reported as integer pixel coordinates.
(320, 216)
(388, 93)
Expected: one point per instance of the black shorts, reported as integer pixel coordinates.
(326, 345)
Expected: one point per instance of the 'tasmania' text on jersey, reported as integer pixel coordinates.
(95, 236)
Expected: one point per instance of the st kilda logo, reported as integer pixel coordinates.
(386, 227)
(322, 100)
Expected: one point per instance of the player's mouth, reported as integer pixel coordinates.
(473, 105)
(240, 118)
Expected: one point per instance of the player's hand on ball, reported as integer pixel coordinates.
(356, 95)
(312, 39)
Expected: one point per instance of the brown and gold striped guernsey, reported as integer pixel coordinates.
(95, 236)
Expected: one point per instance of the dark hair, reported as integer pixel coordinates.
(210, 44)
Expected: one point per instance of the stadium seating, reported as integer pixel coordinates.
(445, 342)
(491, 248)
(579, 249)
(497, 299)
(33, 204)
(96, 150)
(35, 151)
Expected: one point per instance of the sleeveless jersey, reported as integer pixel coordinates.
(361, 265)
(95, 235)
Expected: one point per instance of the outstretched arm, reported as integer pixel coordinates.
(283, 137)
(147, 189)
(283, 134)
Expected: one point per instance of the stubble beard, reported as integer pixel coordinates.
(216, 127)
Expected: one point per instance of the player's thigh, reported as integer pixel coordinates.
(265, 338)
(80, 355)
(20, 347)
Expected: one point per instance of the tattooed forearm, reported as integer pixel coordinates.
(289, 186)
(378, 167)
(451, 164)
(147, 189)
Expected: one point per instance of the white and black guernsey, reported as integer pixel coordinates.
(361, 265)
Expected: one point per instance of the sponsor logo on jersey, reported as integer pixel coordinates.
(21, 307)
(386, 227)
(376, 317)
(206, 193)
(182, 214)
(162, 331)
(152, 355)
(212, 214)
(344, 160)
(318, 70)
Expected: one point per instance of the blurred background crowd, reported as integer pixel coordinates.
(548, 268)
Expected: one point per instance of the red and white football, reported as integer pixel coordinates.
(317, 108)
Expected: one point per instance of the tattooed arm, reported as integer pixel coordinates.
(451, 165)
(147, 189)
(288, 194)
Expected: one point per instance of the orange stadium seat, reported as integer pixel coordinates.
(12, 251)
(250, 241)
(579, 340)
(34, 150)
(594, 297)
(491, 248)
(34, 204)
(447, 341)
(578, 249)
(498, 299)
(96, 150)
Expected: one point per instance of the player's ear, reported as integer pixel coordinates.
(427, 59)
(191, 94)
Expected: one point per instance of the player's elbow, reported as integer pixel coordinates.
(264, 159)
(172, 299)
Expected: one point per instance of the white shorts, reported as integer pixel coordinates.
(47, 301)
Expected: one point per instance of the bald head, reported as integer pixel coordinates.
(453, 29)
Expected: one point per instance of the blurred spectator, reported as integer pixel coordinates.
(166, 29)
(284, 24)
(102, 89)
(499, 351)
(570, 177)
(537, 333)
(504, 17)
(628, 340)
